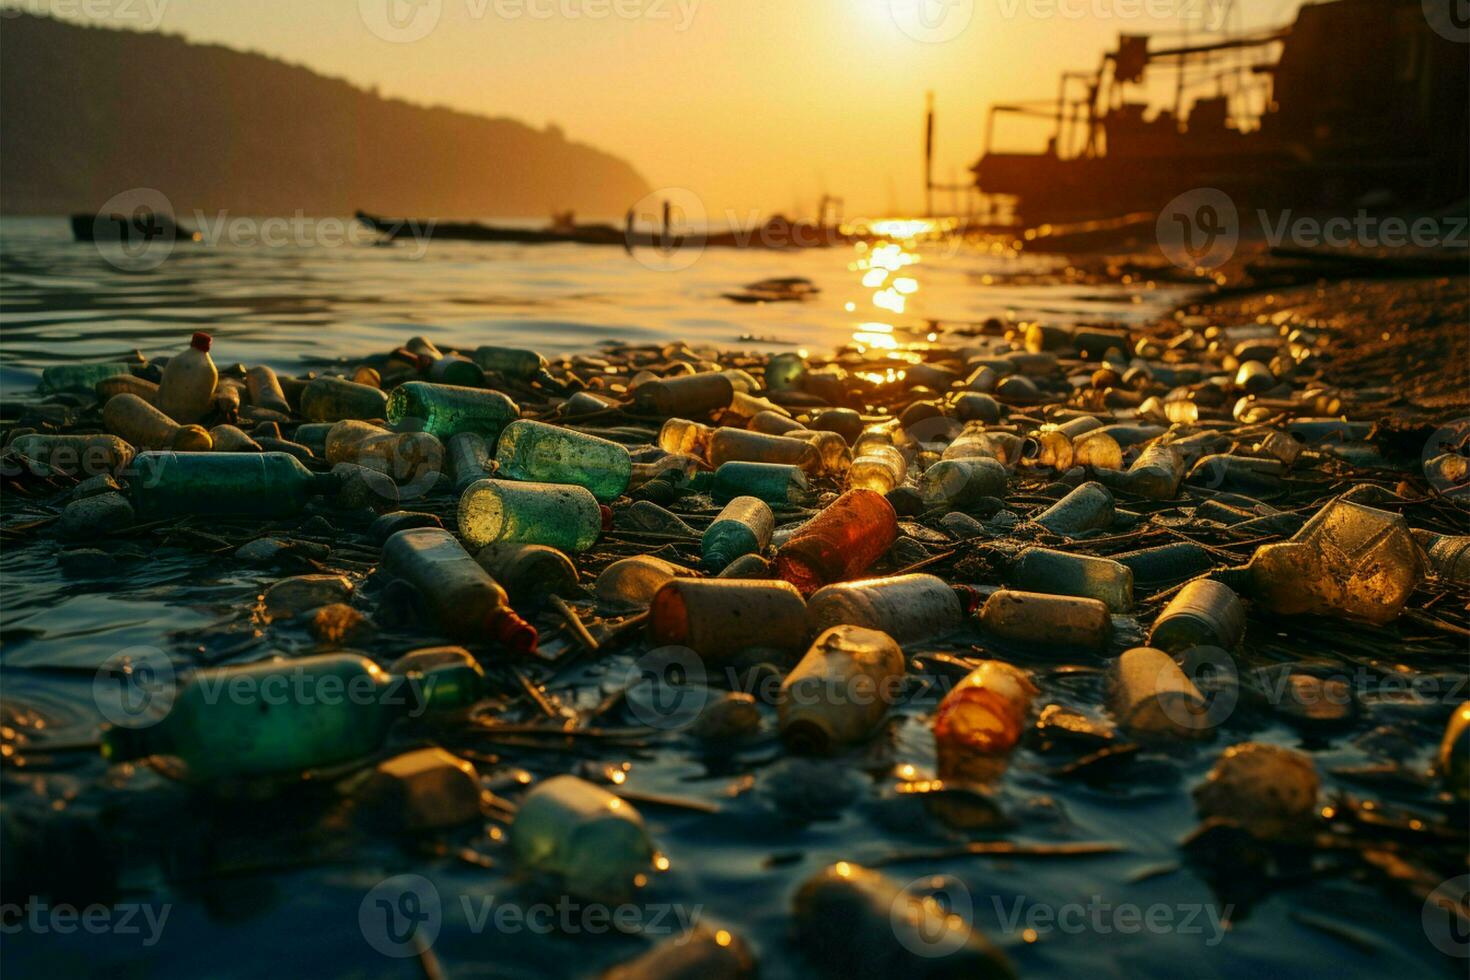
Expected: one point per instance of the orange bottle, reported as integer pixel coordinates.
(840, 543)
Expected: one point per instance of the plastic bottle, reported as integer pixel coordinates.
(1203, 613)
(1166, 564)
(692, 394)
(774, 423)
(718, 618)
(329, 399)
(543, 453)
(784, 372)
(774, 483)
(446, 410)
(685, 438)
(1087, 507)
(469, 459)
(744, 527)
(906, 607)
(80, 456)
(857, 923)
(423, 790)
(1269, 790)
(975, 441)
(960, 482)
(509, 362)
(1059, 573)
(1156, 474)
(1098, 450)
(833, 456)
(120, 384)
(459, 596)
(276, 717)
(1348, 559)
(840, 543)
(446, 369)
(404, 456)
(261, 485)
(593, 841)
(984, 714)
(877, 465)
(79, 377)
(635, 581)
(229, 439)
(558, 516)
(843, 421)
(701, 952)
(1446, 557)
(229, 397)
(1151, 696)
(146, 427)
(839, 693)
(529, 572)
(265, 389)
(741, 445)
(186, 390)
(1029, 618)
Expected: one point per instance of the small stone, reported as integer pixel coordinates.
(963, 526)
(92, 517)
(303, 593)
(727, 718)
(95, 485)
(318, 527)
(336, 623)
(261, 551)
(364, 488)
(748, 566)
(906, 551)
(428, 789)
(646, 515)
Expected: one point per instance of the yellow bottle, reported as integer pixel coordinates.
(144, 426)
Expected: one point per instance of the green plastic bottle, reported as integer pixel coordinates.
(556, 515)
(510, 362)
(545, 453)
(744, 527)
(775, 483)
(285, 716)
(446, 411)
(265, 485)
(80, 377)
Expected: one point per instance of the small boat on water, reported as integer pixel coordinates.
(131, 229)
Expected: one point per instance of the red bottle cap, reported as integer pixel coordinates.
(201, 341)
(607, 516)
(515, 633)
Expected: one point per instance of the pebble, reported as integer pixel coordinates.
(94, 516)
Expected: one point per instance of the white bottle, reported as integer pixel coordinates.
(186, 391)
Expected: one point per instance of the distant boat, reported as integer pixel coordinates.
(134, 229)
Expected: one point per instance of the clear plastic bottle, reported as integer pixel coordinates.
(404, 456)
(587, 837)
(877, 464)
(1059, 573)
(840, 543)
(262, 485)
(744, 527)
(718, 618)
(1087, 507)
(906, 607)
(469, 459)
(186, 390)
(446, 410)
(459, 596)
(728, 445)
(543, 453)
(1446, 556)
(682, 437)
(839, 693)
(692, 394)
(146, 427)
(960, 482)
(556, 515)
(774, 423)
(510, 362)
(1156, 474)
(330, 399)
(832, 452)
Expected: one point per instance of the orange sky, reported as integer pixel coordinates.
(748, 103)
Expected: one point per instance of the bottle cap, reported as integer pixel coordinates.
(201, 341)
(512, 631)
(607, 516)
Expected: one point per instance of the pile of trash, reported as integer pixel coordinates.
(1092, 544)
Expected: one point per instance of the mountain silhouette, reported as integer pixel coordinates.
(91, 112)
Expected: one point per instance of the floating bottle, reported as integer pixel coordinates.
(458, 595)
(146, 427)
(587, 837)
(543, 453)
(330, 399)
(1151, 696)
(1203, 613)
(80, 456)
(261, 485)
(692, 394)
(530, 573)
(186, 389)
(80, 377)
(774, 483)
(407, 457)
(1348, 559)
(450, 676)
(685, 438)
(265, 390)
(1156, 474)
(1086, 508)
(635, 581)
(1446, 557)
(510, 362)
(718, 618)
(469, 459)
(277, 717)
(840, 543)
(857, 923)
(961, 482)
(744, 527)
(445, 410)
(1047, 620)
(556, 515)
(423, 790)
(906, 607)
(839, 693)
(1059, 573)
(984, 714)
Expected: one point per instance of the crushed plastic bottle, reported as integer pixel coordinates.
(1085, 508)
(589, 839)
(984, 714)
(839, 693)
(80, 455)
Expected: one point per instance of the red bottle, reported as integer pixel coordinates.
(839, 543)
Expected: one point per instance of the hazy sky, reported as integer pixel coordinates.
(748, 103)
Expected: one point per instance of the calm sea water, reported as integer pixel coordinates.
(298, 304)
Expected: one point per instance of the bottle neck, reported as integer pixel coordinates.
(511, 631)
(1238, 579)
